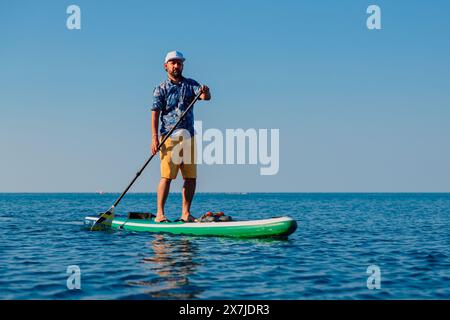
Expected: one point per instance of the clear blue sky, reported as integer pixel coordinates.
(358, 110)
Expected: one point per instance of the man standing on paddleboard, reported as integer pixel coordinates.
(170, 99)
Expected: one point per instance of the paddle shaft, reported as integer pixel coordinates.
(159, 146)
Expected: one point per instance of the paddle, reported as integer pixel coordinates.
(105, 218)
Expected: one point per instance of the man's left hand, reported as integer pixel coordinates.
(204, 89)
(205, 94)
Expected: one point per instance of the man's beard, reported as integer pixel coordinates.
(176, 74)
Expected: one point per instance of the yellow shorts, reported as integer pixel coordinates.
(178, 154)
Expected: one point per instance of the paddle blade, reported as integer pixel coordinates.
(104, 221)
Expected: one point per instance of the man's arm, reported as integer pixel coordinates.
(155, 125)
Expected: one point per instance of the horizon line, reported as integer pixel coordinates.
(226, 192)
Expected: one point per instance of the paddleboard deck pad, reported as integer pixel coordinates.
(263, 228)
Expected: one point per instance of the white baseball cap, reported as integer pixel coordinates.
(174, 55)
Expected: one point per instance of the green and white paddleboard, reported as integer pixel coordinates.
(273, 227)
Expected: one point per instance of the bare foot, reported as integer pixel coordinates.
(188, 218)
(161, 218)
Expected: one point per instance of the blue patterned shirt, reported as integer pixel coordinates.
(172, 99)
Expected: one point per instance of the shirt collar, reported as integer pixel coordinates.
(169, 82)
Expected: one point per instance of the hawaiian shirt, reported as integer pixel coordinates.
(172, 99)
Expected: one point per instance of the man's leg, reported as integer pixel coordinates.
(188, 194)
(163, 192)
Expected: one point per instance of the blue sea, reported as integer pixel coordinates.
(405, 238)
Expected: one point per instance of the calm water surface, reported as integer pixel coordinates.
(338, 237)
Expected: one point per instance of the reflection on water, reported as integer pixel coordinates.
(172, 262)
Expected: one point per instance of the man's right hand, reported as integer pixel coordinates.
(155, 143)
